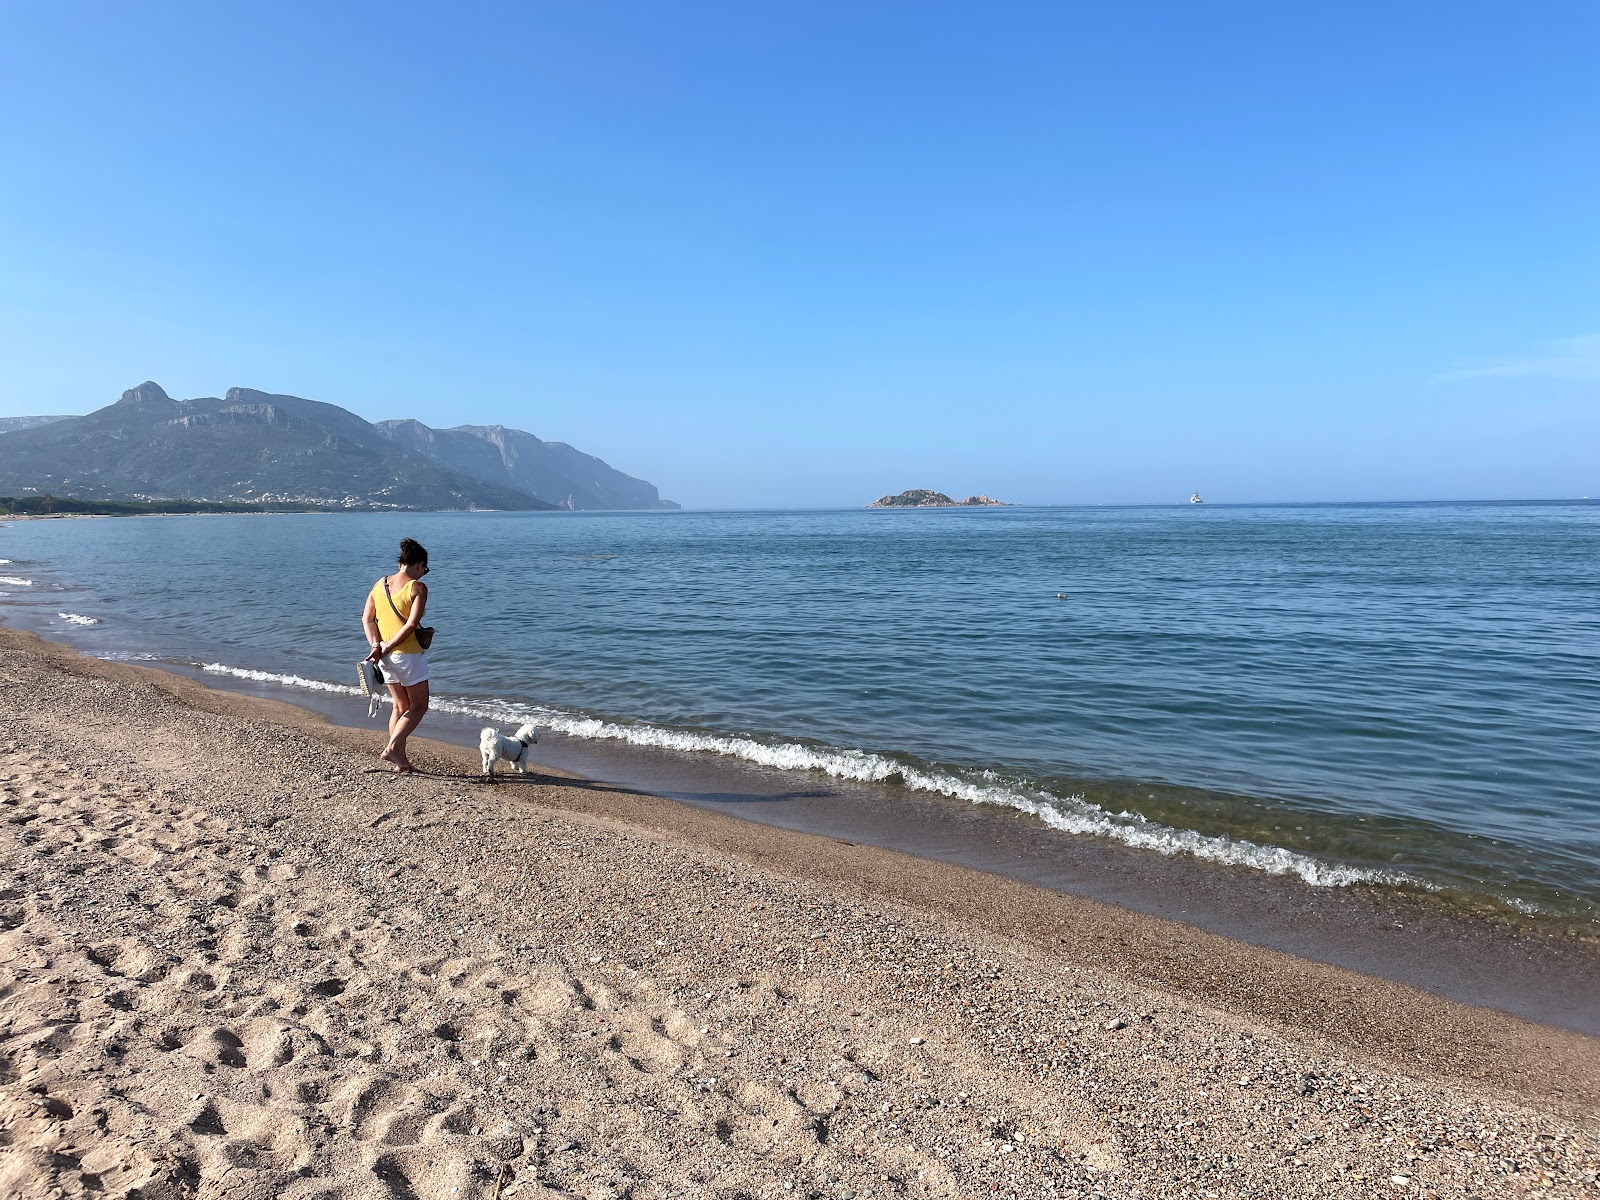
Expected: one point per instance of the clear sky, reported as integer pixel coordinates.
(801, 254)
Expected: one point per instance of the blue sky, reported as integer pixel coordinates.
(783, 254)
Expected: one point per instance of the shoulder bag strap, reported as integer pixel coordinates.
(390, 599)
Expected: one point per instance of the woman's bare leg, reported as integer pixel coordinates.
(416, 707)
(397, 707)
(401, 698)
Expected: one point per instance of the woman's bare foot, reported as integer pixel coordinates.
(402, 765)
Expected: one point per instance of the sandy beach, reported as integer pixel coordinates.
(237, 959)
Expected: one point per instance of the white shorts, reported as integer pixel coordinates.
(404, 669)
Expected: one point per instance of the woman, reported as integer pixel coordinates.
(394, 610)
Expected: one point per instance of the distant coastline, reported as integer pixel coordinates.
(925, 498)
(67, 506)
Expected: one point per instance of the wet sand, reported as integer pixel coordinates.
(236, 958)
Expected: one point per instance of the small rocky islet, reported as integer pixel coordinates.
(925, 498)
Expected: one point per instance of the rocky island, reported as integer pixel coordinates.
(923, 498)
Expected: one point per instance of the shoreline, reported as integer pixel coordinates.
(1527, 967)
(1179, 951)
(1539, 968)
(243, 952)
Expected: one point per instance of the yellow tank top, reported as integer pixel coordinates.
(389, 624)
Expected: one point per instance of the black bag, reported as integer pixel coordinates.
(424, 632)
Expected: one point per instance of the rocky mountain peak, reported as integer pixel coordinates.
(146, 393)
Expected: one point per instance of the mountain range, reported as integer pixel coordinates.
(254, 446)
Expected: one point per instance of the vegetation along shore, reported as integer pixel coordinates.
(67, 506)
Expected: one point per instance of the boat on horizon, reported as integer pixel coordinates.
(1195, 499)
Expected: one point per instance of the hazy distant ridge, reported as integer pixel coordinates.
(8, 424)
(551, 471)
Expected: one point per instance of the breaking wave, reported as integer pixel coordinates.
(78, 618)
(299, 681)
(1070, 814)
(14, 581)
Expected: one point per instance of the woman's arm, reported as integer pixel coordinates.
(369, 626)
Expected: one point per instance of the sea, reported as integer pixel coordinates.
(1361, 696)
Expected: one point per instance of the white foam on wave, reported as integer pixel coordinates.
(1072, 814)
(1527, 907)
(78, 618)
(14, 581)
(299, 681)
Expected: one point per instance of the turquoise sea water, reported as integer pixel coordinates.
(1354, 694)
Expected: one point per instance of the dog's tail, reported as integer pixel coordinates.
(488, 738)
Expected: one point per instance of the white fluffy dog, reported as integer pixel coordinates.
(512, 749)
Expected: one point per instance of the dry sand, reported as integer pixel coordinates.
(237, 960)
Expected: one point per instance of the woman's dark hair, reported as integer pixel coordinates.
(411, 552)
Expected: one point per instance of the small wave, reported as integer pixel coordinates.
(6, 562)
(299, 681)
(78, 618)
(14, 581)
(1526, 907)
(1071, 814)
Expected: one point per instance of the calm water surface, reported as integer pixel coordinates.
(1372, 693)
